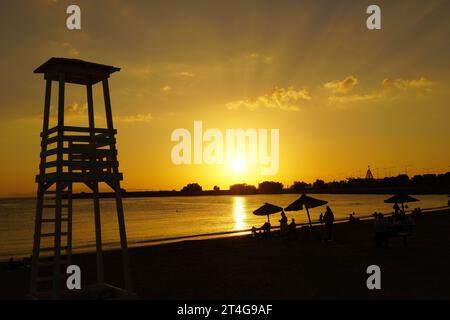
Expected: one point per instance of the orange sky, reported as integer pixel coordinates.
(343, 97)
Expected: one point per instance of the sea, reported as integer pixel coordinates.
(157, 220)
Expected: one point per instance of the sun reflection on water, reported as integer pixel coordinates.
(239, 212)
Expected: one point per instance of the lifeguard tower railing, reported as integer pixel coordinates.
(79, 154)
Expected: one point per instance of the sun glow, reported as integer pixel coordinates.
(238, 165)
(239, 213)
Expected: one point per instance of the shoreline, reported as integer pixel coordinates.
(163, 193)
(204, 236)
(239, 267)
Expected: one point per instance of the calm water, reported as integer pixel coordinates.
(154, 218)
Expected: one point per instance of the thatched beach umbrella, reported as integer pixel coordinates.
(267, 209)
(401, 198)
(306, 201)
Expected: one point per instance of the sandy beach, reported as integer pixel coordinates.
(272, 268)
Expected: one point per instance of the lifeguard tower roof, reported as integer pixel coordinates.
(75, 70)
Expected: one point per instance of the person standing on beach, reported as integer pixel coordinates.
(396, 216)
(396, 208)
(328, 218)
(283, 224)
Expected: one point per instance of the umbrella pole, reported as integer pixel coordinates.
(268, 220)
(309, 218)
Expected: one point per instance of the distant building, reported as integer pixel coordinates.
(369, 175)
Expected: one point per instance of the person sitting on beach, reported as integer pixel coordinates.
(328, 218)
(283, 224)
(266, 227)
(352, 219)
(292, 230)
(416, 212)
(254, 233)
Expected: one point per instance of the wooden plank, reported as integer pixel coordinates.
(123, 238)
(92, 152)
(79, 165)
(86, 150)
(40, 194)
(59, 189)
(98, 235)
(87, 129)
(49, 164)
(52, 234)
(81, 150)
(91, 118)
(57, 241)
(98, 140)
(37, 238)
(79, 177)
(107, 98)
(52, 206)
(69, 224)
(47, 132)
(53, 220)
(48, 95)
(50, 152)
(54, 192)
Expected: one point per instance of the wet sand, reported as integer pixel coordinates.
(272, 268)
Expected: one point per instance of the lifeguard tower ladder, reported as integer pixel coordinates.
(71, 155)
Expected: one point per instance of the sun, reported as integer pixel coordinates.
(237, 165)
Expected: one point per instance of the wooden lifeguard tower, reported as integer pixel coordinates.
(69, 155)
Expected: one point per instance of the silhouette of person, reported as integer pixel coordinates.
(266, 227)
(328, 218)
(283, 224)
(292, 230)
(254, 233)
(321, 218)
(352, 219)
(396, 208)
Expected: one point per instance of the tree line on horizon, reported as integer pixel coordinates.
(418, 183)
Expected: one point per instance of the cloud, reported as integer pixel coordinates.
(259, 57)
(342, 86)
(388, 89)
(186, 74)
(166, 88)
(405, 84)
(71, 50)
(278, 98)
(355, 98)
(142, 118)
(75, 109)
